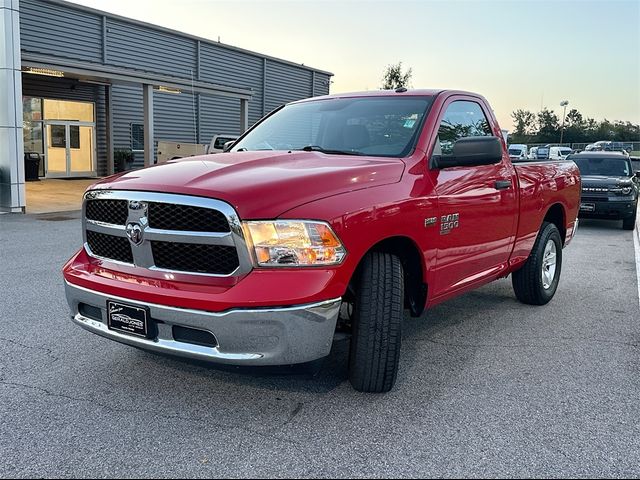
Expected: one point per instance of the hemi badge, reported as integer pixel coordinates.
(430, 221)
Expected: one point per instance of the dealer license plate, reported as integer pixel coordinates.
(128, 319)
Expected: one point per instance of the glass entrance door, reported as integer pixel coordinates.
(70, 149)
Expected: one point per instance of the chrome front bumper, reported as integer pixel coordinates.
(265, 336)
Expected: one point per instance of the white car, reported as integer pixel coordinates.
(559, 153)
(518, 151)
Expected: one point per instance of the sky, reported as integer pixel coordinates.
(517, 53)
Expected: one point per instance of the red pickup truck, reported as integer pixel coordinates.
(335, 213)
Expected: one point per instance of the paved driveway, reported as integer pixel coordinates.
(487, 387)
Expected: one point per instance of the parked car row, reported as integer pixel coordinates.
(520, 152)
(609, 146)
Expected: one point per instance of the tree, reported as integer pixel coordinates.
(394, 78)
(549, 127)
(525, 125)
(544, 127)
(574, 127)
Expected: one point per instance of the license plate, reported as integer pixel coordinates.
(588, 207)
(128, 319)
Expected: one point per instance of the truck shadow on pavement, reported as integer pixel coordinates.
(331, 372)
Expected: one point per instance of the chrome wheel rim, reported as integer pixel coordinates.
(549, 259)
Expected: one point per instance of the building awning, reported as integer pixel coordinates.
(104, 73)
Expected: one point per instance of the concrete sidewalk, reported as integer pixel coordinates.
(56, 195)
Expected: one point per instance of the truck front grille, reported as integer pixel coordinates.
(110, 246)
(114, 212)
(165, 232)
(168, 216)
(594, 191)
(192, 257)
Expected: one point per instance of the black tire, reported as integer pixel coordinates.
(629, 223)
(527, 282)
(377, 324)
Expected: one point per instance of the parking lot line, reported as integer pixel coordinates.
(636, 245)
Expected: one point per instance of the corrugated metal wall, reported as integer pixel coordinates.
(126, 101)
(219, 115)
(286, 84)
(60, 31)
(66, 30)
(237, 69)
(143, 48)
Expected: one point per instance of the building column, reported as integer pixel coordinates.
(147, 99)
(12, 195)
(109, 104)
(244, 115)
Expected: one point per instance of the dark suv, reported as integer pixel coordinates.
(609, 187)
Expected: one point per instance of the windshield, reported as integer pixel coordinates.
(565, 152)
(377, 126)
(612, 167)
(514, 151)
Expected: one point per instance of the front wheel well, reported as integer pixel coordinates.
(415, 290)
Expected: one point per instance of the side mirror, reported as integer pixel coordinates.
(227, 146)
(470, 152)
(637, 174)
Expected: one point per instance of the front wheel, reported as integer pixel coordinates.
(629, 223)
(377, 320)
(537, 281)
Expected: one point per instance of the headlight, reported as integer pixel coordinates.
(626, 190)
(293, 243)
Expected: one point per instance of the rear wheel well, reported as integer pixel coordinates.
(415, 290)
(556, 215)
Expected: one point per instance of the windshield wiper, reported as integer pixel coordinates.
(328, 151)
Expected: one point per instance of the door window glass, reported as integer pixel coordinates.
(58, 136)
(74, 136)
(462, 119)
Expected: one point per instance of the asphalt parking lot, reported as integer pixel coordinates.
(487, 386)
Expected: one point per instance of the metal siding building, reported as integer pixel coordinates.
(72, 56)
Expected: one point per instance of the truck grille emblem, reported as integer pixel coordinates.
(135, 233)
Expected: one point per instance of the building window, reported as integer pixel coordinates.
(137, 137)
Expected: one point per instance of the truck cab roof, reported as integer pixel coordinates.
(419, 92)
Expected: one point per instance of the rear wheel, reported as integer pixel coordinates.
(377, 322)
(537, 281)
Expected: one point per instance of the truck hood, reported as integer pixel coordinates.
(261, 184)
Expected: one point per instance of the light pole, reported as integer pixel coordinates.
(564, 104)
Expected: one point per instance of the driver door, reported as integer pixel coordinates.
(477, 204)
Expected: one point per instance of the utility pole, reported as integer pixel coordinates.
(564, 104)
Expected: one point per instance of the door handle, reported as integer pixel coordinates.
(502, 184)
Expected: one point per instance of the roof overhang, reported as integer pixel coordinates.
(108, 74)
